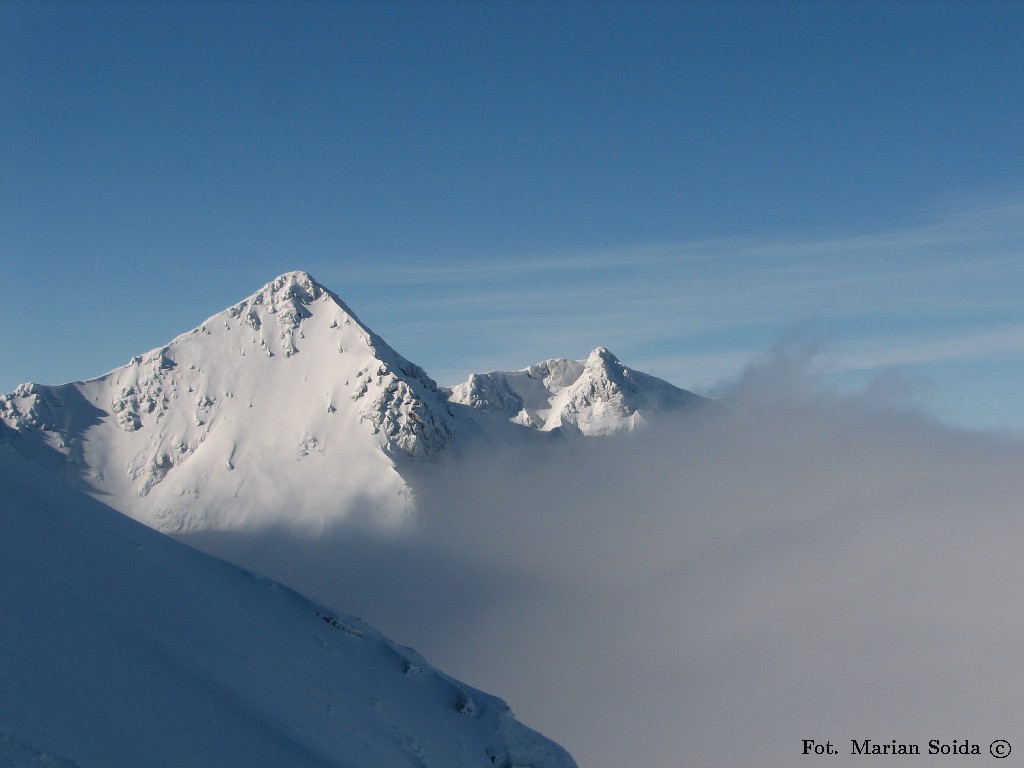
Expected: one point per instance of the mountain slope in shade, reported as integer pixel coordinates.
(596, 396)
(283, 406)
(122, 648)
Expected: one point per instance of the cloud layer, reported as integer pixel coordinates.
(797, 564)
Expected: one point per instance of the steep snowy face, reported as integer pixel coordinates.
(596, 396)
(283, 406)
(398, 401)
(123, 648)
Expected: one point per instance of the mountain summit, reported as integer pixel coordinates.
(283, 406)
(596, 396)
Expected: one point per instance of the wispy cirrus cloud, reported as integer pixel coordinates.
(1007, 340)
(943, 290)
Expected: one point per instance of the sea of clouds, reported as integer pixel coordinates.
(793, 563)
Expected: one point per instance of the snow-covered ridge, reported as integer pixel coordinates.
(285, 407)
(121, 647)
(596, 396)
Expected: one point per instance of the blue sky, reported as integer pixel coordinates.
(491, 184)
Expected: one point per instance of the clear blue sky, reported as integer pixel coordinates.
(490, 184)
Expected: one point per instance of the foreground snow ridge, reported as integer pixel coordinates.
(123, 648)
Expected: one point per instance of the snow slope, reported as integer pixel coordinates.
(596, 396)
(120, 647)
(282, 407)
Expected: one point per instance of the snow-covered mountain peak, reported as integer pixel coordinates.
(595, 396)
(603, 354)
(602, 364)
(290, 285)
(274, 315)
(288, 288)
(284, 395)
(290, 299)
